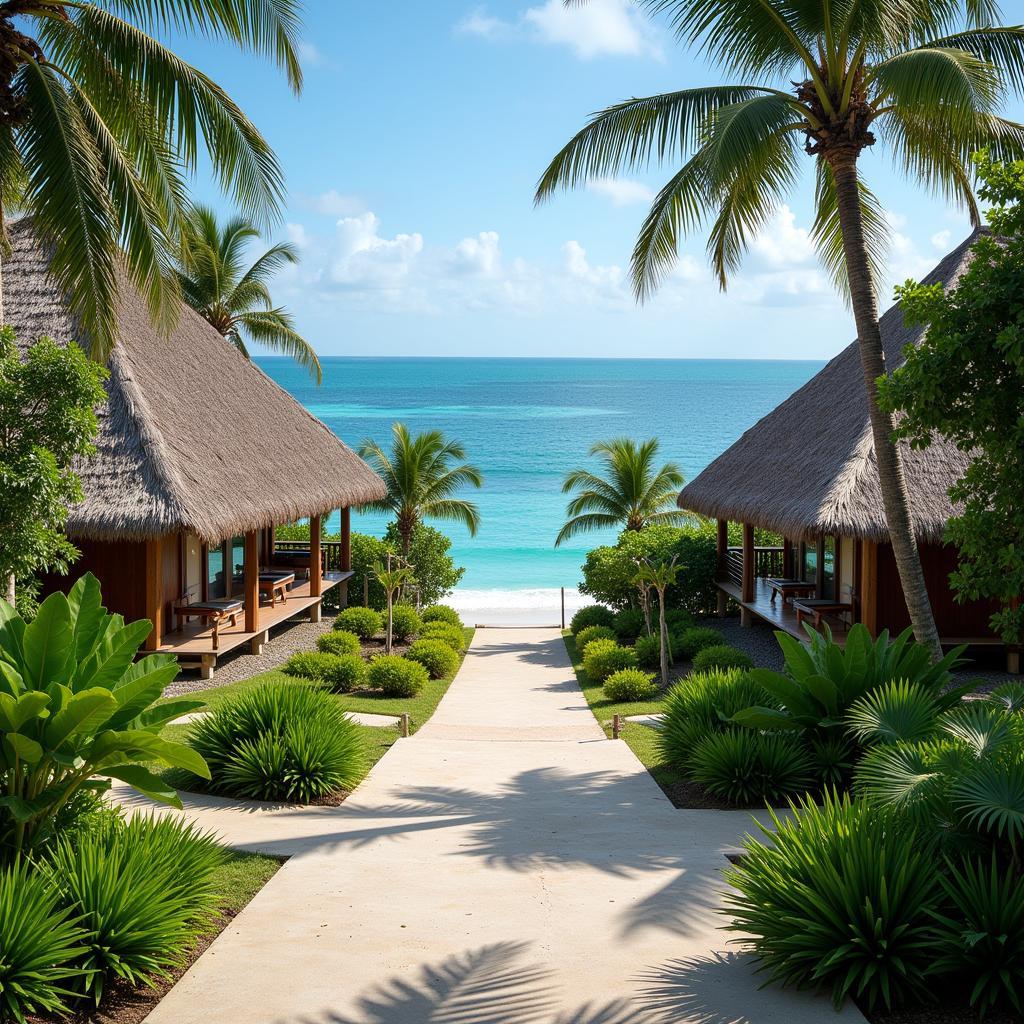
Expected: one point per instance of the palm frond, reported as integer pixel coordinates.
(273, 328)
(1000, 46)
(585, 524)
(464, 512)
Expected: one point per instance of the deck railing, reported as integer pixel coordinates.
(768, 561)
(331, 551)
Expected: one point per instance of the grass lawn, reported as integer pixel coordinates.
(241, 877)
(642, 739)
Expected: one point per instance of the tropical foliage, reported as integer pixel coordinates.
(102, 125)
(631, 492)
(826, 81)
(235, 298)
(423, 475)
(964, 382)
(48, 401)
(74, 705)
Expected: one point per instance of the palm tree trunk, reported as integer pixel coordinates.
(11, 582)
(892, 479)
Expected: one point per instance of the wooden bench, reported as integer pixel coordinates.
(819, 607)
(213, 611)
(788, 588)
(272, 582)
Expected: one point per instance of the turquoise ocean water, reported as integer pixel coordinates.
(525, 423)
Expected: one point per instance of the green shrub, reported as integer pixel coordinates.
(628, 624)
(747, 767)
(701, 705)
(405, 623)
(396, 676)
(338, 641)
(691, 641)
(435, 656)
(441, 613)
(591, 615)
(648, 651)
(280, 741)
(603, 657)
(980, 939)
(840, 897)
(453, 636)
(364, 622)
(677, 620)
(78, 705)
(630, 684)
(41, 946)
(721, 656)
(311, 664)
(143, 890)
(346, 674)
(584, 636)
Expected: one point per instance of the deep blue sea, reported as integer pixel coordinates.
(525, 423)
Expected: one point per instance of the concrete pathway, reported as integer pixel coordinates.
(505, 865)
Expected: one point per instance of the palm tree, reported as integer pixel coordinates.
(101, 125)
(928, 76)
(235, 299)
(422, 474)
(632, 493)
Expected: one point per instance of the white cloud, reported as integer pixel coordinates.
(309, 54)
(364, 261)
(621, 191)
(479, 256)
(333, 203)
(940, 240)
(596, 29)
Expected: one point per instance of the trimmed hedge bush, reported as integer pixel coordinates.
(441, 613)
(143, 890)
(721, 656)
(648, 651)
(746, 767)
(693, 640)
(396, 676)
(603, 657)
(311, 664)
(591, 615)
(629, 684)
(364, 622)
(346, 674)
(453, 636)
(338, 641)
(405, 622)
(589, 633)
(435, 656)
(280, 741)
(701, 705)
(628, 624)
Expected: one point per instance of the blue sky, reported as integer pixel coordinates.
(411, 159)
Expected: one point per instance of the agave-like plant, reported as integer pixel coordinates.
(77, 709)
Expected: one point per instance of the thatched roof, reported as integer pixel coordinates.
(193, 436)
(808, 467)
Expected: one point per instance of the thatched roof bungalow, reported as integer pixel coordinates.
(807, 471)
(200, 455)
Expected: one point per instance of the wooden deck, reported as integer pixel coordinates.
(193, 643)
(778, 615)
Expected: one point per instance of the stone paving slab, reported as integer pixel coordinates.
(480, 880)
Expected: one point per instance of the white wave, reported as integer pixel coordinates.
(537, 599)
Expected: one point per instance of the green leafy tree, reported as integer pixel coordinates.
(74, 705)
(393, 578)
(435, 570)
(927, 77)
(48, 400)
(423, 473)
(965, 382)
(101, 125)
(659, 577)
(632, 493)
(234, 298)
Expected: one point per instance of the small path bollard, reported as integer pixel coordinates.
(404, 725)
(616, 726)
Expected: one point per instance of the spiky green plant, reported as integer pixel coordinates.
(745, 767)
(897, 711)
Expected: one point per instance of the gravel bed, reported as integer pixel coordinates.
(286, 639)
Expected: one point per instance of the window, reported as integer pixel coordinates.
(828, 551)
(215, 572)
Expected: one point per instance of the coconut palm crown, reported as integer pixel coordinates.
(234, 298)
(101, 126)
(632, 493)
(827, 79)
(423, 473)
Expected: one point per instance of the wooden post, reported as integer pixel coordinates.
(563, 607)
(404, 724)
(616, 726)
(315, 564)
(155, 592)
(869, 586)
(346, 540)
(747, 588)
(819, 569)
(366, 591)
(787, 558)
(251, 584)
